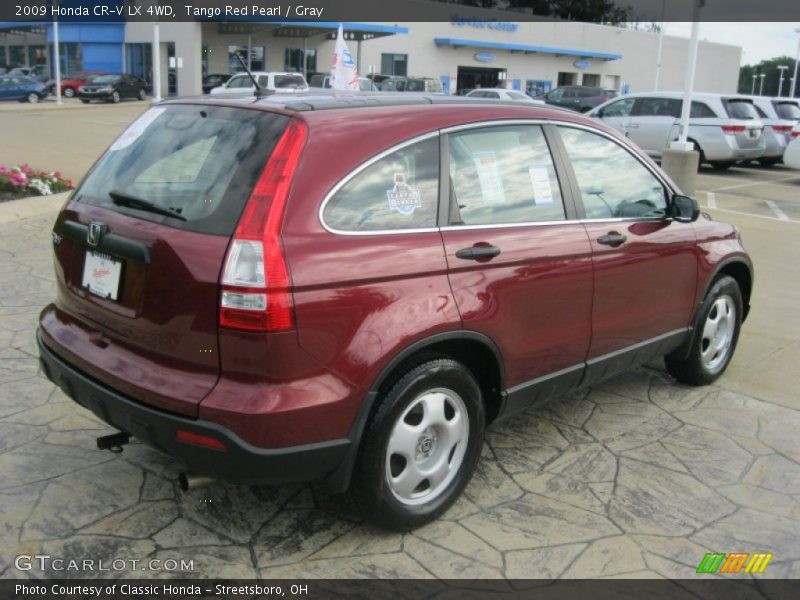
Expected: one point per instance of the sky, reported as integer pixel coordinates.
(759, 41)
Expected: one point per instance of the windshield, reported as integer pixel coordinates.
(740, 109)
(197, 162)
(787, 110)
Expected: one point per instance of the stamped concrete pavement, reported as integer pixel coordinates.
(638, 477)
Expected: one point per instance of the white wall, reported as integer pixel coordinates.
(717, 67)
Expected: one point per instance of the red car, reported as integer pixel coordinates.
(71, 84)
(287, 288)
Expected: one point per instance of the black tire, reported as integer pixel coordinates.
(84, 101)
(721, 165)
(371, 490)
(699, 150)
(115, 97)
(769, 162)
(32, 98)
(694, 370)
(69, 92)
(142, 94)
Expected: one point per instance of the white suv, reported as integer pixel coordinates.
(777, 127)
(276, 81)
(725, 128)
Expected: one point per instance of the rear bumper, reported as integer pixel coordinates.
(241, 462)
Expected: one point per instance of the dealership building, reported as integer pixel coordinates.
(463, 52)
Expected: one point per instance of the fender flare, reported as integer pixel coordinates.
(682, 351)
(339, 480)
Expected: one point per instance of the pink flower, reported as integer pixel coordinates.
(26, 169)
(57, 174)
(18, 179)
(3, 170)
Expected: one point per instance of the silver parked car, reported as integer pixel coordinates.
(725, 128)
(777, 129)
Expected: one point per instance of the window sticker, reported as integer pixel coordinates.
(136, 129)
(489, 177)
(404, 198)
(540, 181)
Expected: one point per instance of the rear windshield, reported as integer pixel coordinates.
(787, 110)
(740, 109)
(199, 163)
(289, 81)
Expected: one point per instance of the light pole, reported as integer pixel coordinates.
(761, 85)
(796, 61)
(781, 69)
(660, 46)
(753, 91)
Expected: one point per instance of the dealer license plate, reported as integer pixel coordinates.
(101, 274)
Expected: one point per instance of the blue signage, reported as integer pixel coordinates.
(582, 64)
(484, 57)
(457, 19)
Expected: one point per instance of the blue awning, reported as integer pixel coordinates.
(459, 43)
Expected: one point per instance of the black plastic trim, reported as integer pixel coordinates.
(682, 351)
(240, 463)
(111, 243)
(608, 365)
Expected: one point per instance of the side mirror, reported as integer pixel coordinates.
(684, 209)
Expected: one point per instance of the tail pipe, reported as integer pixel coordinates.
(190, 481)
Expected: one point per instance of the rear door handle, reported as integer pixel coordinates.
(633, 126)
(612, 239)
(479, 253)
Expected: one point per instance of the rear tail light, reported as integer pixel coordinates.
(733, 128)
(256, 291)
(795, 133)
(782, 128)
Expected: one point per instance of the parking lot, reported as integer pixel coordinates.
(637, 477)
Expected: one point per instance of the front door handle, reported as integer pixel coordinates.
(479, 253)
(612, 239)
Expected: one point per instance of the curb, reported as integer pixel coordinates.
(33, 206)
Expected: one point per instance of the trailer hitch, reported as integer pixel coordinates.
(113, 442)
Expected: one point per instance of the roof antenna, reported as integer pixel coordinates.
(260, 92)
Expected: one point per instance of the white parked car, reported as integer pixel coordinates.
(777, 129)
(791, 156)
(502, 94)
(322, 81)
(725, 128)
(275, 81)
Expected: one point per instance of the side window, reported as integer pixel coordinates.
(400, 191)
(555, 95)
(620, 108)
(613, 183)
(701, 110)
(659, 107)
(492, 95)
(503, 175)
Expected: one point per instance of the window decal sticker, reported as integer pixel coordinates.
(404, 198)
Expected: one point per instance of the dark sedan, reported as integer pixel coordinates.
(22, 89)
(113, 88)
(214, 80)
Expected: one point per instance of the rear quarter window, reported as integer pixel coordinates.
(198, 162)
(397, 192)
(740, 109)
(787, 110)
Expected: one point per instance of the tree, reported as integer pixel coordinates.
(771, 76)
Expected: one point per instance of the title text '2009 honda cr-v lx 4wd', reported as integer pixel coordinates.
(286, 289)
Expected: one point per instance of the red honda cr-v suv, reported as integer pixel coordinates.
(350, 288)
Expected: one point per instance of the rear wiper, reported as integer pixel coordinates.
(121, 199)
